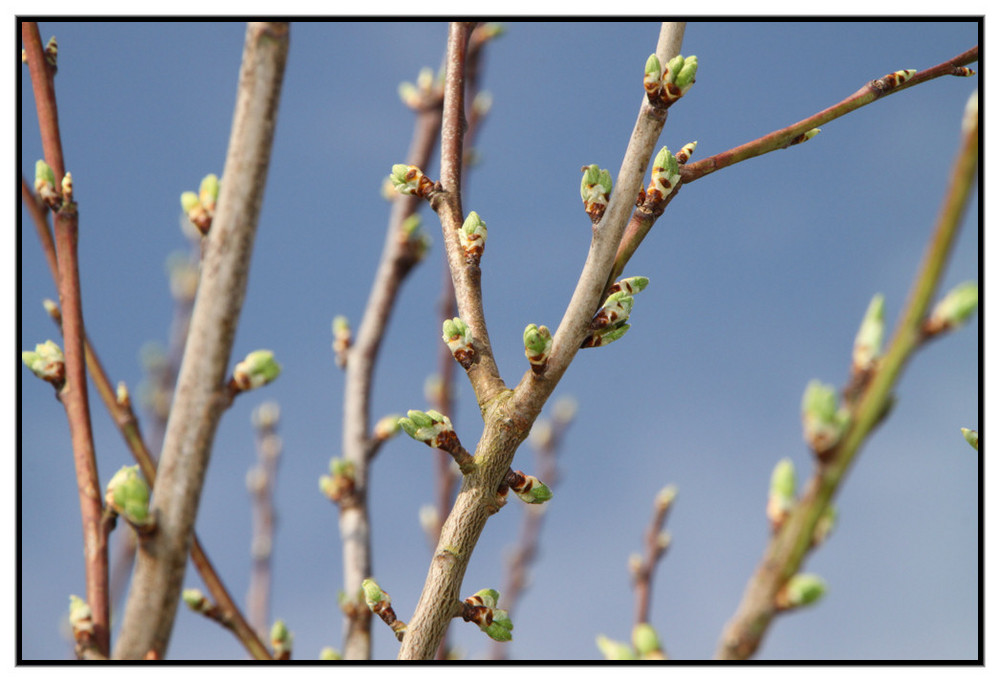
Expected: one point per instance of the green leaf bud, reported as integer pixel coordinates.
(801, 590)
(196, 600)
(473, 237)
(128, 495)
(257, 369)
(410, 180)
(281, 640)
(868, 342)
(674, 66)
(45, 177)
(653, 72)
(208, 191)
(81, 618)
(373, 593)
(595, 189)
(971, 437)
(687, 151)
(46, 362)
(529, 488)
(591, 174)
(954, 309)
(645, 640)
(328, 653)
(666, 175)
(537, 346)
(781, 496)
(823, 421)
(685, 75)
(615, 651)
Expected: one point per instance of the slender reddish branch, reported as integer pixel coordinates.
(642, 219)
(447, 203)
(43, 83)
(74, 392)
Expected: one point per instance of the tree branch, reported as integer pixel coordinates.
(787, 549)
(200, 396)
(73, 393)
(508, 415)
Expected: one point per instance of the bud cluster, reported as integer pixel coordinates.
(426, 93)
(610, 322)
(47, 363)
(481, 609)
(411, 180)
(595, 190)
(664, 86)
(435, 429)
(537, 346)
(200, 207)
(339, 485)
(458, 336)
(528, 488)
(473, 238)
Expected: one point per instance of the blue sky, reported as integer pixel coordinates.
(759, 276)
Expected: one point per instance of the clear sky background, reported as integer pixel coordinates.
(759, 276)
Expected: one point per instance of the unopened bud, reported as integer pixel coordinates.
(801, 590)
(472, 235)
(128, 495)
(46, 362)
(645, 640)
(615, 651)
(971, 437)
(954, 309)
(823, 421)
(257, 369)
(868, 342)
(537, 346)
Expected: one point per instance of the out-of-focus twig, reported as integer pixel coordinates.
(261, 480)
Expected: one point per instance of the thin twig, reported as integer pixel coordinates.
(73, 393)
(201, 393)
(398, 258)
(657, 542)
(261, 482)
(642, 220)
(788, 548)
(508, 415)
(447, 203)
